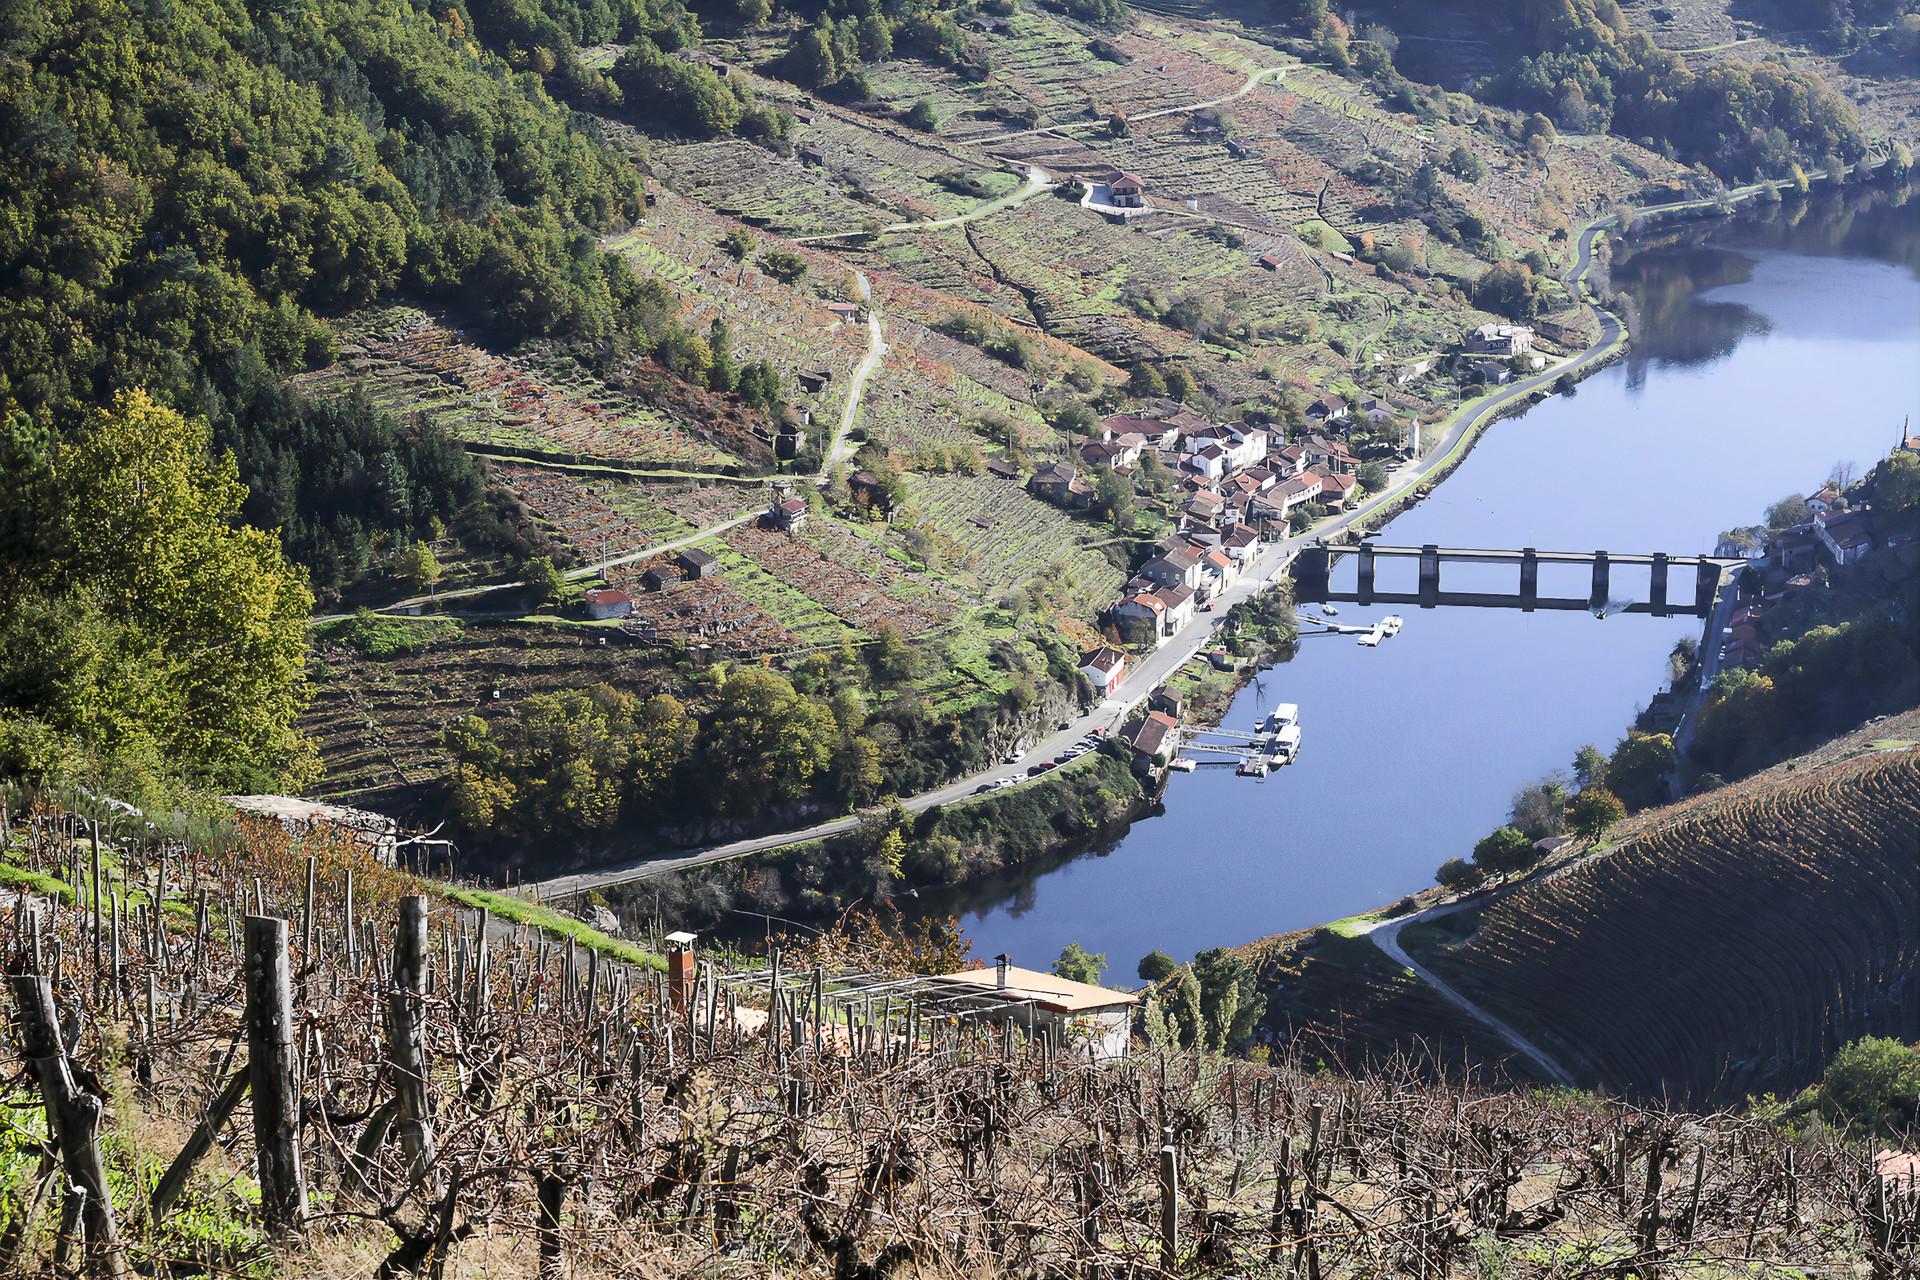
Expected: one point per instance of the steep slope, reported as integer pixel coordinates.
(1710, 950)
(1728, 948)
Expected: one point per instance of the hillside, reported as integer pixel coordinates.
(1708, 951)
(392, 1084)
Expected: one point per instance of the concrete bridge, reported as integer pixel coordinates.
(1313, 569)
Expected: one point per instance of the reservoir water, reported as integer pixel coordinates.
(1765, 351)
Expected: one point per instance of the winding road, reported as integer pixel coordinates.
(836, 449)
(1386, 936)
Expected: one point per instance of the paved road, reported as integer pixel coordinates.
(1386, 936)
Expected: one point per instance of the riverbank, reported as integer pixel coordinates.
(1414, 750)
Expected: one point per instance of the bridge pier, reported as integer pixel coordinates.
(1430, 575)
(1602, 581)
(1706, 586)
(1529, 578)
(1366, 574)
(1657, 587)
(1311, 569)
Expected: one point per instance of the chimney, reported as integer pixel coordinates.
(680, 973)
(1001, 964)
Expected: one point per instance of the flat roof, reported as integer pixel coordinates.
(1050, 991)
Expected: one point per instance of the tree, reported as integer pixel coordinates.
(1589, 767)
(1459, 875)
(1896, 484)
(1508, 289)
(663, 742)
(1113, 498)
(920, 116)
(811, 60)
(417, 566)
(544, 582)
(1789, 511)
(1503, 852)
(1465, 165)
(156, 625)
(1872, 1088)
(1593, 811)
(1639, 770)
(1537, 808)
(764, 742)
(1156, 966)
(783, 265)
(1231, 1002)
(1077, 964)
(737, 244)
(1179, 382)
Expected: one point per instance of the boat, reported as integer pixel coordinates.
(1253, 767)
(1329, 610)
(1285, 714)
(1286, 744)
(1392, 623)
(1183, 764)
(1371, 639)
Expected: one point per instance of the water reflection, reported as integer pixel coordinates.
(1766, 352)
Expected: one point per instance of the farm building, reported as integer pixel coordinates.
(1127, 191)
(1500, 340)
(1492, 372)
(790, 515)
(608, 603)
(848, 312)
(695, 563)
(1002, 468)
(1060, 484)
(659, 578)
(790, 444)
(1100, 1018)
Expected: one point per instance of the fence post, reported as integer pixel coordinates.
(406, 1047)
(73, 1121)
(1169, 1208)
(270, 1074)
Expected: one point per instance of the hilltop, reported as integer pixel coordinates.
(1704, 952)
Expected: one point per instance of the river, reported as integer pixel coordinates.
(1766, 350)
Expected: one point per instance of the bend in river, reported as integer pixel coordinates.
(1765, 351)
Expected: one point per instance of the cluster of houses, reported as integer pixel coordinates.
(1835, 534)
(1241, 482)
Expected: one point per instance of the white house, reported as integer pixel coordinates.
(1500, 340)
(1104, 668)
(1209, 460)
(1178, 605)
(1142, 611)
(1099, 1018)
(608, 603)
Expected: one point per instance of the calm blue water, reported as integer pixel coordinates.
(1762, 357)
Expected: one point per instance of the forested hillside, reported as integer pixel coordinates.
(190, 189)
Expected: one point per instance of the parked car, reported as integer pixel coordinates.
(1034, 771)
(984, 787)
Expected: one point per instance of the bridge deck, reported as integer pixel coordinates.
(1501, 555)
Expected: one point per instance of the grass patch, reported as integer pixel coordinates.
(380, 635)
(537, 916)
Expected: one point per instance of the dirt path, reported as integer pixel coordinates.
(1037, 181)
(1253, 82)
(1386, 936)
(857, 386)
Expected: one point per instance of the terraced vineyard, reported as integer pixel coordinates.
(377, 721)
(1806, 881)
(1012, 538)
(410, 363)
